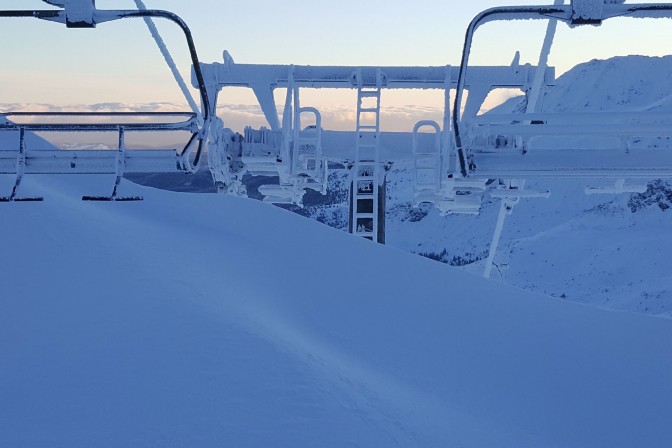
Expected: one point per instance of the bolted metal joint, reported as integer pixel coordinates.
(78, 13)
(587, 12)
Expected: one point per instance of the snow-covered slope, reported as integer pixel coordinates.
(590, 249)
(626, 83)
(205, 320)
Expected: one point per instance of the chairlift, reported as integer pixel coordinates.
(23, 160)
(481, 154)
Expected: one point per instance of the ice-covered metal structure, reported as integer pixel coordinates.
(468, 154)
(504, 145)
(455, 162)
(21, 159)
(281, 150)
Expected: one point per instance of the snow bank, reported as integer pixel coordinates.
(203, 320)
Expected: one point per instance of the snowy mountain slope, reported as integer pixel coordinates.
(626, 83)
(623, 83)
(591, 249)
(205, 320)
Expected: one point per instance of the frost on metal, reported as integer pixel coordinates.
(589, 11)
(78, 13)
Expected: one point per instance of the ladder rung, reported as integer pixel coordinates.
(364, 215)
(365, 234)
(365, 193)
(369, 93)
(369, 109)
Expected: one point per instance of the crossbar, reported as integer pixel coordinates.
(90, 161)
(264, 79)
(345, 77)
(169, 122)
(644, 163)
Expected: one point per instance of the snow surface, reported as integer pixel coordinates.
(601, 250)
(206, 320)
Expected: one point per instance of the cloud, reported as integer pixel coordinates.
(100, 140)
(96, 107)
(238, 116)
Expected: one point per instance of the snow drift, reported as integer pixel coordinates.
(205, 320)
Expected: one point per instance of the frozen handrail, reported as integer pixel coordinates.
(170, 122)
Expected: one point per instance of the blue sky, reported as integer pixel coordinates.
(118, 62)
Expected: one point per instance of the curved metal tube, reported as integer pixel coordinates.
(490, 15)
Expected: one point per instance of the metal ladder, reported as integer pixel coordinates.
(366, 175)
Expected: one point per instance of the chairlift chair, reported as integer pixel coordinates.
(482, 154)
(23, 160)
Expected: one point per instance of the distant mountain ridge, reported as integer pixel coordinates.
(622, 83)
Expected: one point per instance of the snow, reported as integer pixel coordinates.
(593, 249)
(207, 320)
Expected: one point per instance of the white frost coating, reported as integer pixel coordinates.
(537, 82)
(169, 59)
(218, 159)
(77, 11)
(588, 9)
(495, 238)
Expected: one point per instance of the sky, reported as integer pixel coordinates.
(118, 64)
